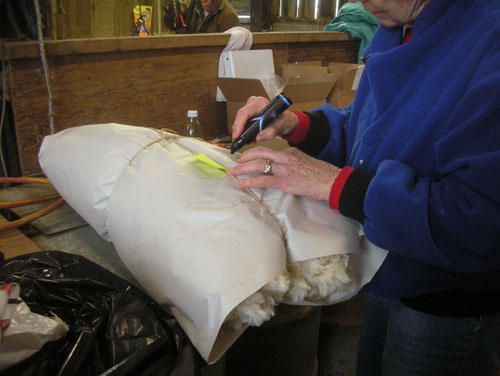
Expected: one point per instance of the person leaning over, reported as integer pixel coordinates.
(415, 160)
(201, 16)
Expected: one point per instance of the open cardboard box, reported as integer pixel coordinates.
(237, 91)
(306, 86)
(345, 88)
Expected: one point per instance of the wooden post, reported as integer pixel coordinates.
(77, 18)
(326, 9)
(102, 19)
(256, 15)
(275, 8)
(308, 9)
(292, 8)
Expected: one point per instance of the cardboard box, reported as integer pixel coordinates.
(306, 84)
(307, 89)
(313, 63)
(345, 88)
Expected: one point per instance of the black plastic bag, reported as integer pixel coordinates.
(115, 328)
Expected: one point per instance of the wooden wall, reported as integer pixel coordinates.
(138, 81)
(70, 19)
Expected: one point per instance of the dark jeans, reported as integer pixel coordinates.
(399, 341)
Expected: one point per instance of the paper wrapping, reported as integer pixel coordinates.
(196, 242)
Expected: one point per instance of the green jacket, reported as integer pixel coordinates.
(219, 21)
(359, 23)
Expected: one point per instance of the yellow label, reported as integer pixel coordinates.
(208, 167)
(203, 158)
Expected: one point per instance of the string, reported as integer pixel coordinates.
(44, 64)
(171, 136)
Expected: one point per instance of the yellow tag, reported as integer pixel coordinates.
(203, 158)
(208, 167)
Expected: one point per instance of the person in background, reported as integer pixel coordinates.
(414, 159)
(354, 19)
(201, 16)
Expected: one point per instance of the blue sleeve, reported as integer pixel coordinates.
(449, 218)
(335, 150)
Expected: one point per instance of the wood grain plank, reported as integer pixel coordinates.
(22, 50)
(102, 18)
(344, 52)
(14, 243)
(77, 18)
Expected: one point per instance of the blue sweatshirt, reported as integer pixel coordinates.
(425, 123)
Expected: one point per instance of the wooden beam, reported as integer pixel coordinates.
(24, 50)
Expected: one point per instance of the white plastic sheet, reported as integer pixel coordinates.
(196, 242)
(27, 331)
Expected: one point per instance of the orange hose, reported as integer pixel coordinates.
(25, 180)
(15, 204)
(32, 216)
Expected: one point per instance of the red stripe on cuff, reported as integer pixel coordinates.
(300, 133)
(337, 187)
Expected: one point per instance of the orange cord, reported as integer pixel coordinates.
(15, 204)
(32, 216)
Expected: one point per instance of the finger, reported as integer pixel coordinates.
(256, 166)
(283, 125)
(252, 107)
(267, 134)
(261, 152)
(261, 181)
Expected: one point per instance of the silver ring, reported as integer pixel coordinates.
(268, 168)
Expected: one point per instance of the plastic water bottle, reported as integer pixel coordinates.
(193, 127)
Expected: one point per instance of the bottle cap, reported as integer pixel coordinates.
(192, 113)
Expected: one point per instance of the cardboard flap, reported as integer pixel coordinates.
(304, 89)
(296, 70)
(239, 89)
(316, 63)
(350, 74)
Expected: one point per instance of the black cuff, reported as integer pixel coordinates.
(352, 198)
(318, 135)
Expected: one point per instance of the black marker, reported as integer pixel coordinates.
(255, 125)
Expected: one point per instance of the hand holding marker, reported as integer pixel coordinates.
(255, 125)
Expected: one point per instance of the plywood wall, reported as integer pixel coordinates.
(148, 82)
(72, 19)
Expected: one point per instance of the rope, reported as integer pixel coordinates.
(4, 102)
(44, 64)
(173, 137)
